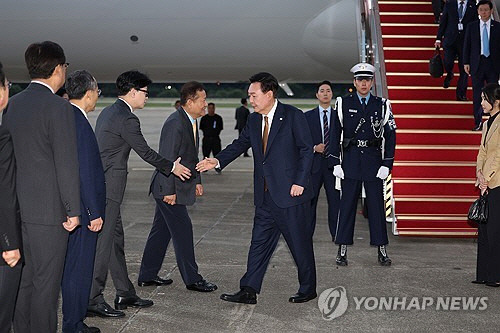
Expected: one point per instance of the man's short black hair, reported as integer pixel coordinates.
(485, 2)
(131, 80)
(78, 83)
(267, 82)
(243, 101)
(2, 76)
(324, 82)
(189, 90)
(213, 104)
(42, 58)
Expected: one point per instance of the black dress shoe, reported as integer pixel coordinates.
(121, 303)
(157, 281)
(383, 258)
(87, 329)
(493, 284)
(244, 296)
(302, 298)
(202, 286)
(478, 282)
(447, 80)
(103, 310)
(341, 259)
(462, 98)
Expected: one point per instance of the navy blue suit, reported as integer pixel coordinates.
(322, 172)
(79, 264)
(482, 69)
(453, 40)
(361, 163)
(287, 161)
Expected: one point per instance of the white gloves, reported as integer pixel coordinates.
(383, 172)
(338, 172)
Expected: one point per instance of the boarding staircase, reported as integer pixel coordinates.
(434, 170)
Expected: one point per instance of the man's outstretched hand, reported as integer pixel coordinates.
(181, 171)
(207, 164)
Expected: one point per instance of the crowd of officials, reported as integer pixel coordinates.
(63, 184)
(467, 32)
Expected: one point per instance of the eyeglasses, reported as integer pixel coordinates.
(144, 91)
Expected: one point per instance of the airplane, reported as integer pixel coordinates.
(176, 41)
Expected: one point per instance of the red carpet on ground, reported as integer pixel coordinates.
(434, 169)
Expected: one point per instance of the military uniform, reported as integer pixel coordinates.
(363, 144)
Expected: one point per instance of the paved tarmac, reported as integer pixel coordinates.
(426, 272)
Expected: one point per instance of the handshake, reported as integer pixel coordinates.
(383, 172)
(207, 164)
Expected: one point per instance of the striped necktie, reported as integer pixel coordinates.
(265, 135)
(326, 133)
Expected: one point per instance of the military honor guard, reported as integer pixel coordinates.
(363, 147)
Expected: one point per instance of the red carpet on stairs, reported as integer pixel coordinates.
(434, 169)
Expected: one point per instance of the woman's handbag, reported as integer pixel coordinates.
(436, 67)
(478, 211)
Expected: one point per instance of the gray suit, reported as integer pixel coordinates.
(42, 127)
(118, 131)
(172, 221)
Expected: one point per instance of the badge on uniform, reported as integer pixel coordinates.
(353, 110)
(460, 27)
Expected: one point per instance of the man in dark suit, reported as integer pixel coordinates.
(282, 151)
(456, 15)
(42, 126)
(83, 92)
(241, 116)
(211, 125)
(10, 231)
(482, 55)
(179, 137)
(118, 131)
(318, 120)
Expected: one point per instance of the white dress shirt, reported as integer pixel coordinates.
(43, 84)
(79, 108)
(270, 117)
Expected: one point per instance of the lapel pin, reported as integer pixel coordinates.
(281, 118)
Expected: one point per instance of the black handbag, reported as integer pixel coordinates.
(436, 67)
(478, 211)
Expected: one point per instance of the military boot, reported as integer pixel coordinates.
(383, 258)
(341, 259)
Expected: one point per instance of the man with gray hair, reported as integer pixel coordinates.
(83, 93)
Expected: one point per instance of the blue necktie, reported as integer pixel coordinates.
(486, 42)
(461, 11)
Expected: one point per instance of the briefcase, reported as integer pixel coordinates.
(436, 67)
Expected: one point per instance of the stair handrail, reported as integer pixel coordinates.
(371, 48)
(496, 16)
